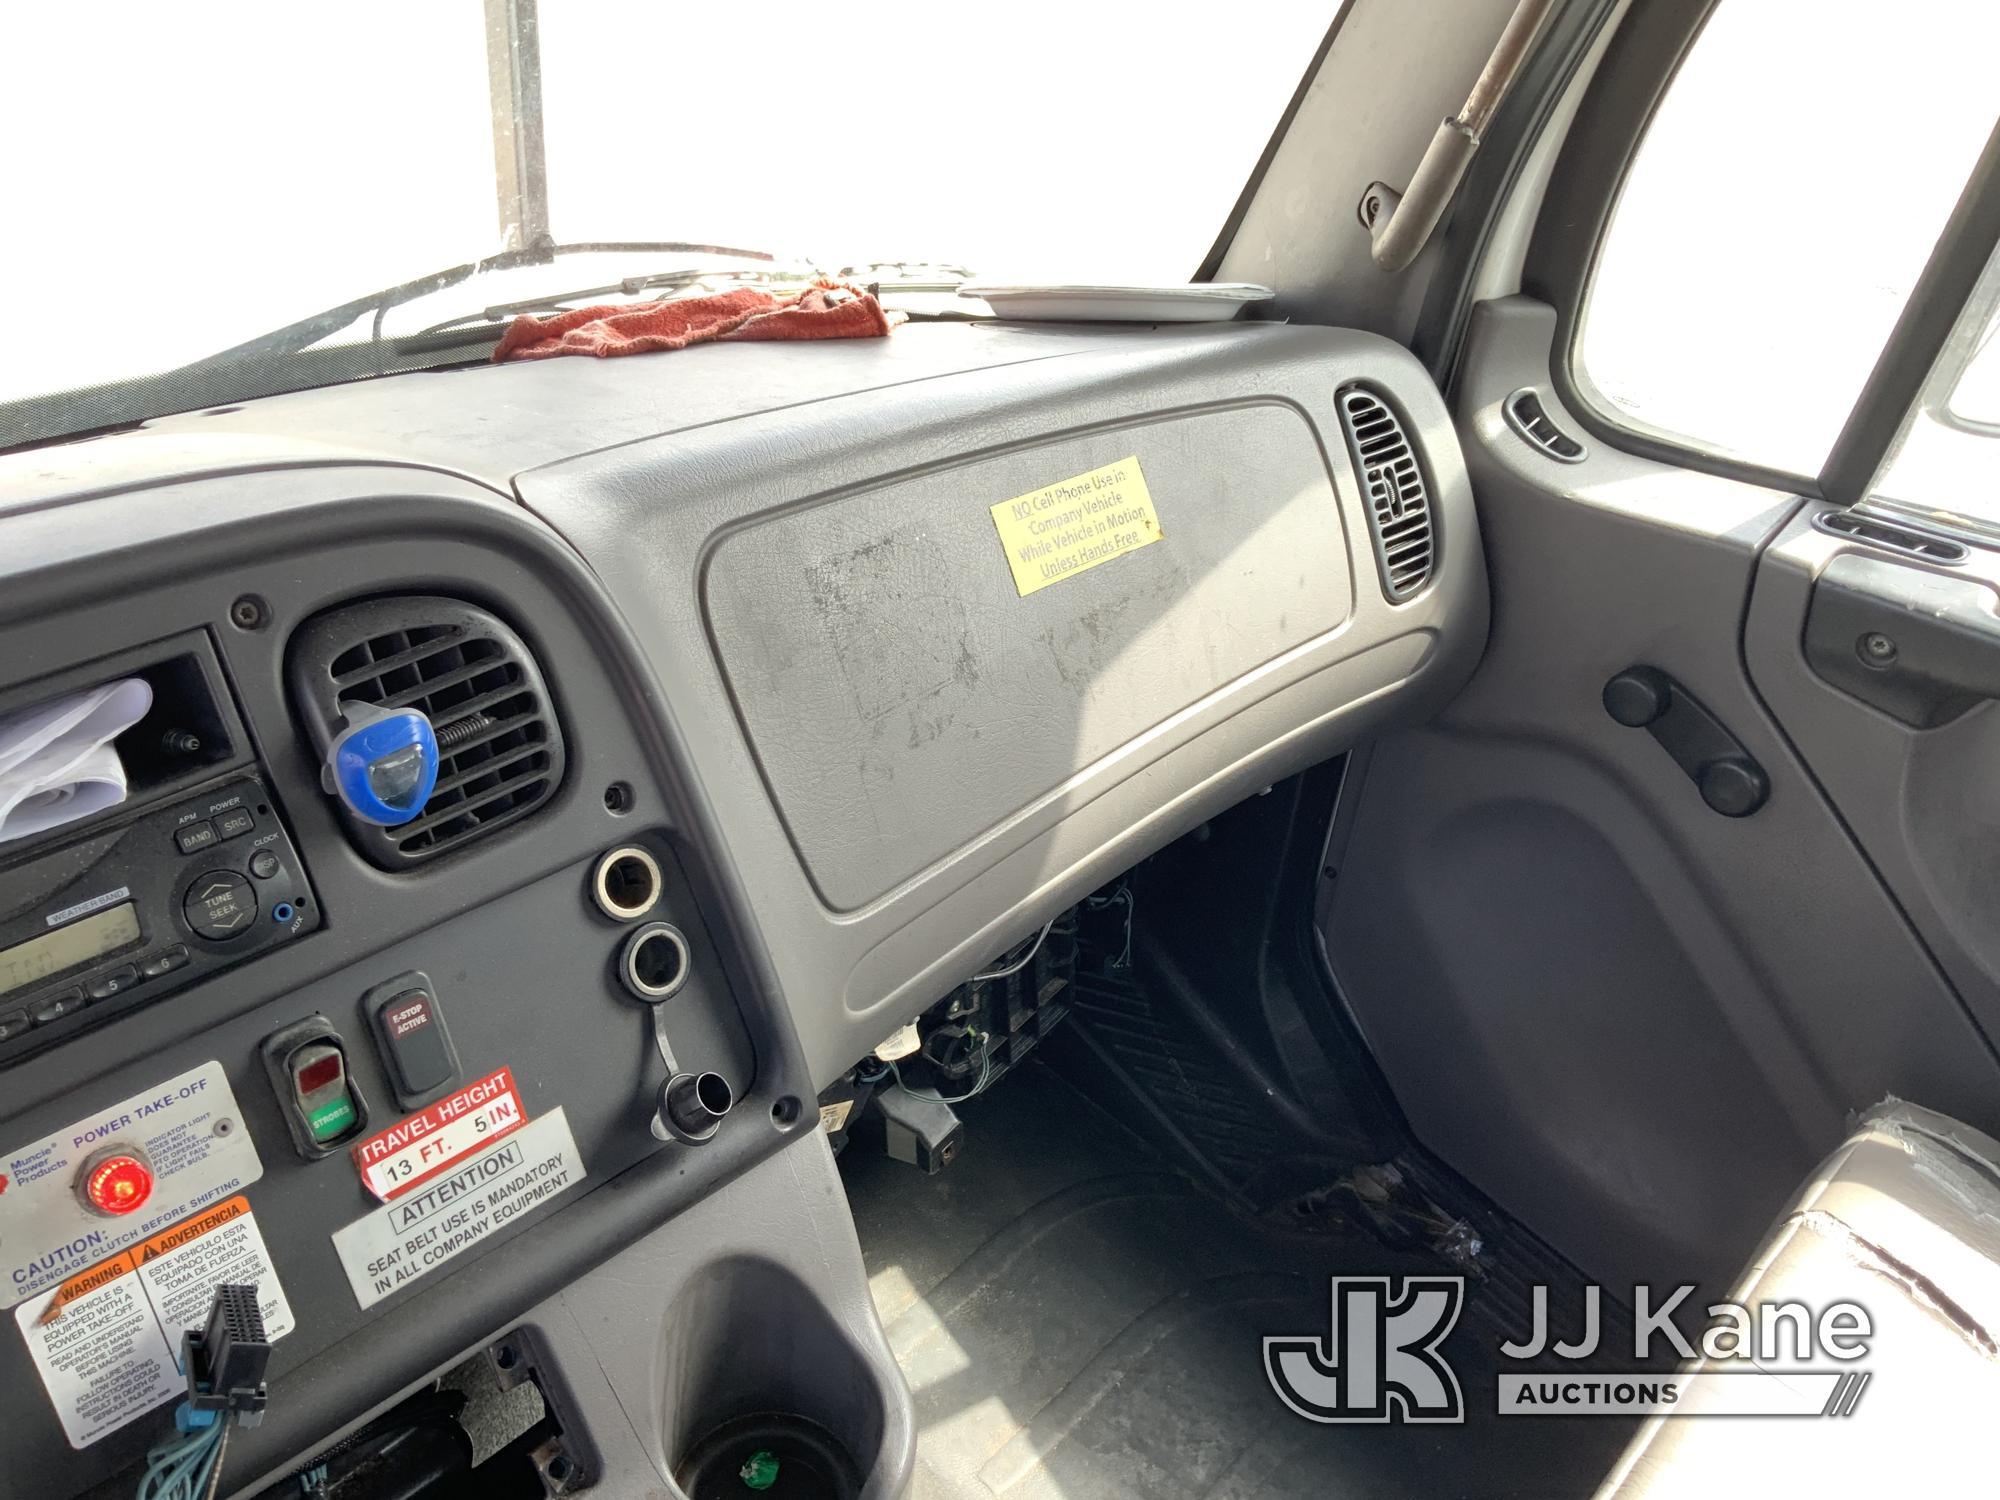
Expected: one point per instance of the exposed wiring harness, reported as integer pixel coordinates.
(188, 1465)
(979, 1087)
(1003, 969)
(1122, 896)
(223, 1363)
(1015, 966)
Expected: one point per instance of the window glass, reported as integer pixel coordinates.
(186, 178)
(1780, 208)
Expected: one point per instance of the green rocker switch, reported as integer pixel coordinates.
(319, 1096)
(320, 1092)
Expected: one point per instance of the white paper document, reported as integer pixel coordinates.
(57, 763)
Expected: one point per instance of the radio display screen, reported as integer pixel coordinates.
(95, 935)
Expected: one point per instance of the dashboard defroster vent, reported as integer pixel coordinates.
(1399, 502)
(500, 744)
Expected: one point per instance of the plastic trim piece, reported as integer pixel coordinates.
(1482, 198)
(1922, 646)
(1892, 536)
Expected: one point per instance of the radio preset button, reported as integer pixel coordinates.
(219, 905)
(238, 820)
(13, 1023)
(195, 836)
(111, 982)
(57, 1006)
(165, 961)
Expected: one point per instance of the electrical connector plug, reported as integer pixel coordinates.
(225, 1362)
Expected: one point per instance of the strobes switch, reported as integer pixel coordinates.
(308, 1065)
(320, 1092)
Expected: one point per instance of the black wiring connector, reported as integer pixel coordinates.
(225, 1362)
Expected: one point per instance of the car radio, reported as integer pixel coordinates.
(124, 914)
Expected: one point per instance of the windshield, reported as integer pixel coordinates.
(223, 170)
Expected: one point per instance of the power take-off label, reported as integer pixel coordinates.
(191, 1148)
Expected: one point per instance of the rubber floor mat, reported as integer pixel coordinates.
(1079, 1322)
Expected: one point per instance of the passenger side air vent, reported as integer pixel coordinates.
(500, 745)
(1399, 503)
(1523, 412)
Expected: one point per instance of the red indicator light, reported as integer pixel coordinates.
(318, 1073)
(118, 1185)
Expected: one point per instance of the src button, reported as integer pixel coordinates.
(219, 905)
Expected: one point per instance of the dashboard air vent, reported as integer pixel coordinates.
(1523, 412)
(499, 742)
(1399, 503)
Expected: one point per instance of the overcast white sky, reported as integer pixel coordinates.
(1783, 203)
(182, 177)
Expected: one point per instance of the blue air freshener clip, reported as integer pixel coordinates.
(383, 764)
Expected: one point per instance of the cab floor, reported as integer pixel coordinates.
(1078, 1321)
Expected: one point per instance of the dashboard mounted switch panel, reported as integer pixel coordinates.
(410, 1032)
(318, 1095)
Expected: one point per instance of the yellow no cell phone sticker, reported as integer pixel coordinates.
(1075, 524)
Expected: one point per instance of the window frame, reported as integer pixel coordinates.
(1640, 64)
(1900, 382)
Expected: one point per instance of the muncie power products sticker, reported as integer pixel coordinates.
(452, 1212)
(422, 1146)
(190, 1137)
(1075, 524)
(107, 1341)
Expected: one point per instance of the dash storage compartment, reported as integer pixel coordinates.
(912, 673)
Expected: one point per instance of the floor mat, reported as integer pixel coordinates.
(1078, 1321)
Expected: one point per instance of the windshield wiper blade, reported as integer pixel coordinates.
(293, 338)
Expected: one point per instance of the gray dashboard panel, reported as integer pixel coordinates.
(489, 422)
(1045, 785)
(522, 961)
(901, 696)
(1250, 643)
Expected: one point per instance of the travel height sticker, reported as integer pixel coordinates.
(421, 1146)
(388, 1249)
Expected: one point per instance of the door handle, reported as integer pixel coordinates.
(1923, 647)
(1727, 776)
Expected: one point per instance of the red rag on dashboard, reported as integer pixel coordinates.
(824, 310)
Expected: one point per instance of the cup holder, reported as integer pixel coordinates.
(776, 1455)
(764, 1393)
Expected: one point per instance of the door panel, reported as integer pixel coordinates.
(1634, 1022)
(1921, 798)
